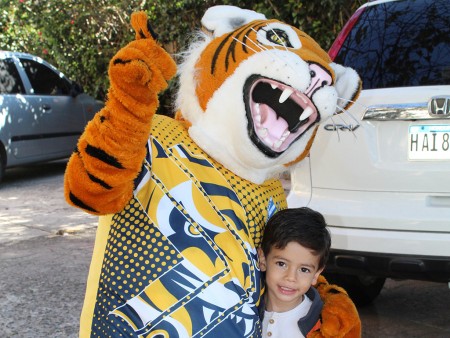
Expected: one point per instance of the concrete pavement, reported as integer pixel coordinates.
(43, 281)
(45, 252)
(46, 248)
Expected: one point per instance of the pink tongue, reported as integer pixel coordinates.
(275, 126)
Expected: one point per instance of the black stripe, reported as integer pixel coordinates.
(230, 50)
(244, 40)
(218, 50)
(99, 181)
(103, 156)
(76, 201)
(43, 136)
(116, 61)
(152, 32)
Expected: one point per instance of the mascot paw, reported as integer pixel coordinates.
(143, 67)
(340, 317)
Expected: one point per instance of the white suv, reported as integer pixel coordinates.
(381, 173)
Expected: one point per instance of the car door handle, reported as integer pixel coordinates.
(46, 107)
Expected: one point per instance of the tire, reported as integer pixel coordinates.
(362, 289)
(2, 167)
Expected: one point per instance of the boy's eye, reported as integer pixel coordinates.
(305, 270)
(281, 264)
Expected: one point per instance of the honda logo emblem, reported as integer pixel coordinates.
(439, 106)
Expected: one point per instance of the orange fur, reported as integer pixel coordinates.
(339, 314)
(138, 73)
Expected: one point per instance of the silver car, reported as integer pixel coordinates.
(42, 112)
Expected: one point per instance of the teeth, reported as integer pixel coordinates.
(286, 134)
(277, 144)
(264, 132)
(285, 95)
(257, 115)
(306, 113)
(274, 86)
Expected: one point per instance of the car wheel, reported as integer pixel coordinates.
(361, 289)
(2, 168)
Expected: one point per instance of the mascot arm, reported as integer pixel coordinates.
(340, 317)
(100, 174)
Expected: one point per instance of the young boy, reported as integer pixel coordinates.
(293, 253)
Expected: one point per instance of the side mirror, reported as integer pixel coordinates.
(76, 89)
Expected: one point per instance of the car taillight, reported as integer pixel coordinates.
(337, 44)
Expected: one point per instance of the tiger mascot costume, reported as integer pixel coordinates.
(184, 200)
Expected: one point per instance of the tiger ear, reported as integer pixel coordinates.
(348, 86)
(219, 20)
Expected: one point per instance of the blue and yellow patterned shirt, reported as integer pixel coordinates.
(180, 259)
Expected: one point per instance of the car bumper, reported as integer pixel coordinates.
(429, 268)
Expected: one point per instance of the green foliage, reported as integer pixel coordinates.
(80, 37)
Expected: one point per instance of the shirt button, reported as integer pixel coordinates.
(269, 334)
(271, 321)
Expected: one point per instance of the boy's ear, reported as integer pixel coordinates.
(316, 275)
(262, 260)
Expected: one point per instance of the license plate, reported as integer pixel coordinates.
(429, 142)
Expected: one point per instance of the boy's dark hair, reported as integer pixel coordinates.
(302, 225)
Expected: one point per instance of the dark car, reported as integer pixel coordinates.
(42, 112)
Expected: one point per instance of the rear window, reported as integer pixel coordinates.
(400, 44)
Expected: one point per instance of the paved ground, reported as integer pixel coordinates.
(43, 282)
(45, 252)
(46, 247)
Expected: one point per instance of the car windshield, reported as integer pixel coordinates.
(400, 44)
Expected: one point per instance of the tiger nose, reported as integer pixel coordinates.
(319, 78)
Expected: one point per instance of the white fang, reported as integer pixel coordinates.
(285, 95)
(306, 113)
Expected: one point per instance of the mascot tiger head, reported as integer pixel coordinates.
(253, 91)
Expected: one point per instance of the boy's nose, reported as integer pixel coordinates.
(291, 274)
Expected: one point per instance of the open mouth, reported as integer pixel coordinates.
(277, 114)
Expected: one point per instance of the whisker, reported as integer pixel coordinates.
(345, 111)
(261, 47)
(350, 127)
(277, 37)
(244, 44)
(337, 129)
(269, 50)
(354, 102)
(264, 47)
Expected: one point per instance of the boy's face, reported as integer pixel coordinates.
(289, 274)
